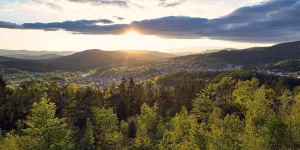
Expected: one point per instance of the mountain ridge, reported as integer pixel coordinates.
(4, 52)
(250, 56)
(94, 58)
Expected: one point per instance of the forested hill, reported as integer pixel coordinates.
(80, 61)
(234, 110)
(27, 65)
(33, 57)
(29, 53)
(97, 58)
(287, 65)
(250, 56)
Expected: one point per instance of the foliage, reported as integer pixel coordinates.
(106, 129)
(45, 131)
(198, 110)
(150, 128)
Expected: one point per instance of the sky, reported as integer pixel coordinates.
(163, 25)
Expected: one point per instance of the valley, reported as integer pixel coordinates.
(102, 67)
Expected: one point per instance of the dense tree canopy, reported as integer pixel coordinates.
(183, 110)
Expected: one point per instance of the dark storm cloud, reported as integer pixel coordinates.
(274, 21)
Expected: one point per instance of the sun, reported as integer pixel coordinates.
(133, 36)
(132, 33)
(133, 40)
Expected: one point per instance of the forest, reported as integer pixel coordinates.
(186, 110)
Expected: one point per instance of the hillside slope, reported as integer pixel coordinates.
(26, 65)
(292, 65)
(250, 56)
(39, 57)
(27, 53)
(98, 58)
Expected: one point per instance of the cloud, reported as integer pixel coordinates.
(119, 18)
(128, 3)
(273, 21)
(80, 26)
(171, 3)
(121, 3)
(9, 25)
(49, 4)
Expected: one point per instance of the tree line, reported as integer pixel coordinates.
(184, 110)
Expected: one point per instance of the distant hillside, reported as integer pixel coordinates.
(285, 66)
(185, 53)
(62, 53)
(39, 57)
(251, 56)
(216, 50)
(47, 56)
(147, 55)
(188, 55)
(78, 61)
(26, 65)
(19, 53)
(98, 58)
(200, 52)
